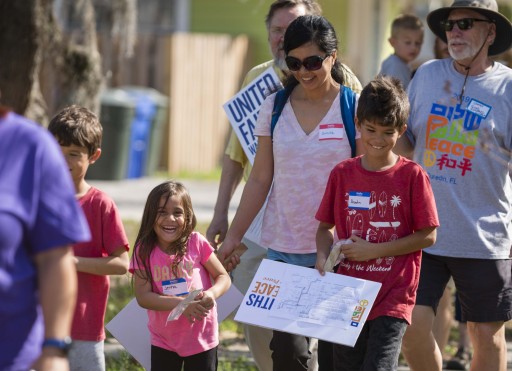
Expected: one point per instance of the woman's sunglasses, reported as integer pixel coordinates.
(312, 63)
(462, 24)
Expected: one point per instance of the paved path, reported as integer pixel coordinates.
(130, 196)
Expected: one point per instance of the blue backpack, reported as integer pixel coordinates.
(347, 105)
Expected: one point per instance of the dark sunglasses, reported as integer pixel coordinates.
(462, 24)
(312, 63)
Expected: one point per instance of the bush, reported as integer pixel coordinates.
(122, 362)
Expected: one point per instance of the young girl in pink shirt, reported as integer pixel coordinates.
(170, 261)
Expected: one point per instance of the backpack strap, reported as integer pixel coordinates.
(279, 103)
(348, 108)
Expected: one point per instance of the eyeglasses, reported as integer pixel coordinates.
(463, 24)
(311, 63)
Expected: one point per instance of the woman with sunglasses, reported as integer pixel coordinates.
(308, 141)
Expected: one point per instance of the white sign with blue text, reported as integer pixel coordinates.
(242, 110)
(300, 301)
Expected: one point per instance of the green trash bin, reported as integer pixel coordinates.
(117, 110)
(157, 129)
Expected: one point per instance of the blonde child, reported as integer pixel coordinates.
(79, 134)
(406, 40)
(170, 261)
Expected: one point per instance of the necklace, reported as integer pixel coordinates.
(467, 68)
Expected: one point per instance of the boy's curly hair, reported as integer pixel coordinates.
(384, 101)
(79, 126)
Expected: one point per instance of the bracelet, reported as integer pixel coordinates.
(64, 345)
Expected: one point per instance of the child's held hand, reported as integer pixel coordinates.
(207, 300)
(231, 260)
(359, 250)
(196, 310)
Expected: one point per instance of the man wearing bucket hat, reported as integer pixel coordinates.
(461, 128)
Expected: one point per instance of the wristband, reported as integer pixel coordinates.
(64, 345)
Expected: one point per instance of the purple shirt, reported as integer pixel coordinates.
(38, 212)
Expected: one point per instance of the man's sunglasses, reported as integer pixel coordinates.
(462, 24)
(311, 63)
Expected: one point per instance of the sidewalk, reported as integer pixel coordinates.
(130, 196)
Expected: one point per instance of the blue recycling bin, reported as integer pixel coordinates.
(140, 134)
(146, 130)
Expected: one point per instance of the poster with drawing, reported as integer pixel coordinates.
(299, 300)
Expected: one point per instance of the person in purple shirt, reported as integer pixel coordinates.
(39, 219)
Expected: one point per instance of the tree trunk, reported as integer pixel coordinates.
(29, 35)
(20, 54)
(75, 61)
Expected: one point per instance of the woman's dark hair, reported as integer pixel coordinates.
(146, 239)
(317, 30)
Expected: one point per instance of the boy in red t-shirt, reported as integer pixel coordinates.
(383, 204)
(79, 134)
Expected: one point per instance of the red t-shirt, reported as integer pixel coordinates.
(107, 236)
(379, 207)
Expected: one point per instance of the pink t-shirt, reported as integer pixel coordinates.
(181, 336)
(107, 236)
(379, 207)
(302, 163)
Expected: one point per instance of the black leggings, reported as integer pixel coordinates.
(165, 360)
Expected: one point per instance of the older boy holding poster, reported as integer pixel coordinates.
(383, 205)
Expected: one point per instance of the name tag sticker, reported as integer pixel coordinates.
(176, 287)
(479, 108)
(331, 132)
(359, 200)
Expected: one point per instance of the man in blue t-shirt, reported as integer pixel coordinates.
(461, 127)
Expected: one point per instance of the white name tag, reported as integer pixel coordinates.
(479, 108)
(359, 200)
(176, 287)
(331, 132)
